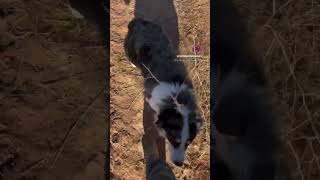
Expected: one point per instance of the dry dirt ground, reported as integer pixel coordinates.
(127, 98)
(286, 34)
(52, 111)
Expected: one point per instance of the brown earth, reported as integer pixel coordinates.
(126, 84)
(52, 111)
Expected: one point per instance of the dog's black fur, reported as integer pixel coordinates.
(146, 44)
(243, 140)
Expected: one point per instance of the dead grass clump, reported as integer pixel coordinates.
(287, 33)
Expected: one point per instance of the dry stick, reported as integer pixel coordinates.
(73, 127)
(310, 163)
(274, 7)
(151, 74)
(294, 102)
(313, 32)
(36, 27)
(286, 57)
(294, 77)
(68, 77)
(297, 160)
(284, 52)
(203, 114)
(24, 173)
(312, 123)
(304, 22)
(310, 117)
(155, 78)
(18, 78)
(269, 51)
(271, 17)
(314, 154)
(135, 98)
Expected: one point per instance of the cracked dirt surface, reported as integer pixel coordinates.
(52, 111)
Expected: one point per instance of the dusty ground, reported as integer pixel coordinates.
(126, 92)
(52, 120)
(287, 36)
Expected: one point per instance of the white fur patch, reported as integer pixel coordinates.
(161, 92)
(199, 125)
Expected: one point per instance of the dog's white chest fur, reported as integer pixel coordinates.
(158, 95)
(161, 92)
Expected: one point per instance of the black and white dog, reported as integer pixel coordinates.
(243, 140)
(167, 88)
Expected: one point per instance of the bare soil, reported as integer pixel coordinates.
(52, 111)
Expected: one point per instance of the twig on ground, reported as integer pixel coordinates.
(271, 17)
(135, 98)
(27, 171)
(297, 160)
(74, 125)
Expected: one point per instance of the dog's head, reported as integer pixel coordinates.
(180, 129)
(143, 33)
(178, 123)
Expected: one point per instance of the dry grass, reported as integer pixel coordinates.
(286, 33)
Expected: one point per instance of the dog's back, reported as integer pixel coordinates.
(147, 46)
